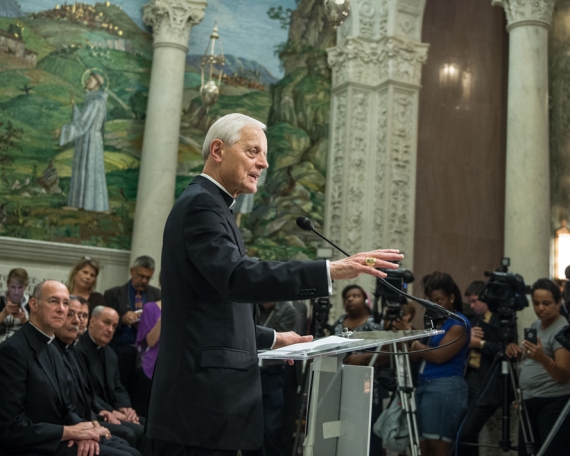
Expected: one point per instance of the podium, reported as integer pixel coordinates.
(340, 396)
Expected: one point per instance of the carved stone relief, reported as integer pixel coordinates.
(366, 14)
(360, 107)
(401, 166)
(171, 20)
(527, 10)
(376, 80)
(407, 23)
(337, 153)
(371, 63)
(380, 166)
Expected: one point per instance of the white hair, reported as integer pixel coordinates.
(228, 129)
(97, 311)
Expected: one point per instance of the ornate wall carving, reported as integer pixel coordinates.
(527, 10)
(336, 168)
(376, 71)
(381, 160)
(171, 20)
(371, 63)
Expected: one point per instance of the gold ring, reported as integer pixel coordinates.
(370, 261)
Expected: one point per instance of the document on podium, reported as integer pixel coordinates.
(332, 345)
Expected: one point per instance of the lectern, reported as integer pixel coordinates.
(340, 396)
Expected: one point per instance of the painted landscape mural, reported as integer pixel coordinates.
(74, 72)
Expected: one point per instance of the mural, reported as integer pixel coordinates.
(74, 81)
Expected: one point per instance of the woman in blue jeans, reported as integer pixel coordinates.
(441, 397)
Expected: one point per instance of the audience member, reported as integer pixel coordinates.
(279, 316)
(545, 370)
(83, 280)
(13, 313)
(358, 317)
(102, 363)
(128, 300)
(83, 316)
(80, 393)
(485, 344)
(35, 416)
(441, 397)
(148, 341)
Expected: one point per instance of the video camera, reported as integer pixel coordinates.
(392, 301)
(320, 316)
(505, 294)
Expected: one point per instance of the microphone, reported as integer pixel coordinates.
(432, 309)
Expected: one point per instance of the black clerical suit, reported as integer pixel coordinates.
(84, 399)
(206, 388)
(103, 370)
(34, 392)
(481, 408)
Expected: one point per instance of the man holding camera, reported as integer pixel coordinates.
(484, 346)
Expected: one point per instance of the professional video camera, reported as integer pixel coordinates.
(320, 316)
(392, 301)
(505, 294)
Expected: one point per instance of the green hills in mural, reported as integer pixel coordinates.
(61, 45)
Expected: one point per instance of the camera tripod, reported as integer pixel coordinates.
(400, 361)
(509, 384)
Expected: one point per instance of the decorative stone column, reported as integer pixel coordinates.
(371, 174)
(171, 21)
(527, 201)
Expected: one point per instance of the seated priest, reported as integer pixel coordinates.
(82, 395)
(103, 366)
(36, 417)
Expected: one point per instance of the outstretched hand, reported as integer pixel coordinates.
(353, 266)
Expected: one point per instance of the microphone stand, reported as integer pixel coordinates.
(432, 309)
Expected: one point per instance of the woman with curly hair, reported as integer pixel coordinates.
(441, 397)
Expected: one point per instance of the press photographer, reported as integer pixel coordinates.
(545, 370)
(484, 346)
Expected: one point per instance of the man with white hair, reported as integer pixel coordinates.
(206, 392)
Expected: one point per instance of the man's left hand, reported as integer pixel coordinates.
(130, 413)
(283, 339)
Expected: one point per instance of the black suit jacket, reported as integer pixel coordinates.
(493, 345)
(118, 297)
(206, 390)
(105, 379)
(33, 395)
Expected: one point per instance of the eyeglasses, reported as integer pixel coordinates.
(55, 301)
(80, 315)
(92, 260)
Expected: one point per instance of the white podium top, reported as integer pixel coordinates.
(333, 345)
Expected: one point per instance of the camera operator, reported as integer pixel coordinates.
(358, 317)
(545, 370)
(484, 346)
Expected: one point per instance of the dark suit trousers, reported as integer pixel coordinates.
(162, 448)
(107, 447)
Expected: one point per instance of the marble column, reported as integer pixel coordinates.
(376, 68)
(171, 21)
(527, 199)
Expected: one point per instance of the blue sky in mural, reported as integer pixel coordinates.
(244, 27)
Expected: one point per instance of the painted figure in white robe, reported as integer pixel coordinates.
(88, 186)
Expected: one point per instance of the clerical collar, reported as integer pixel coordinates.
(50, 338)
(215, 182)
(96, 344)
